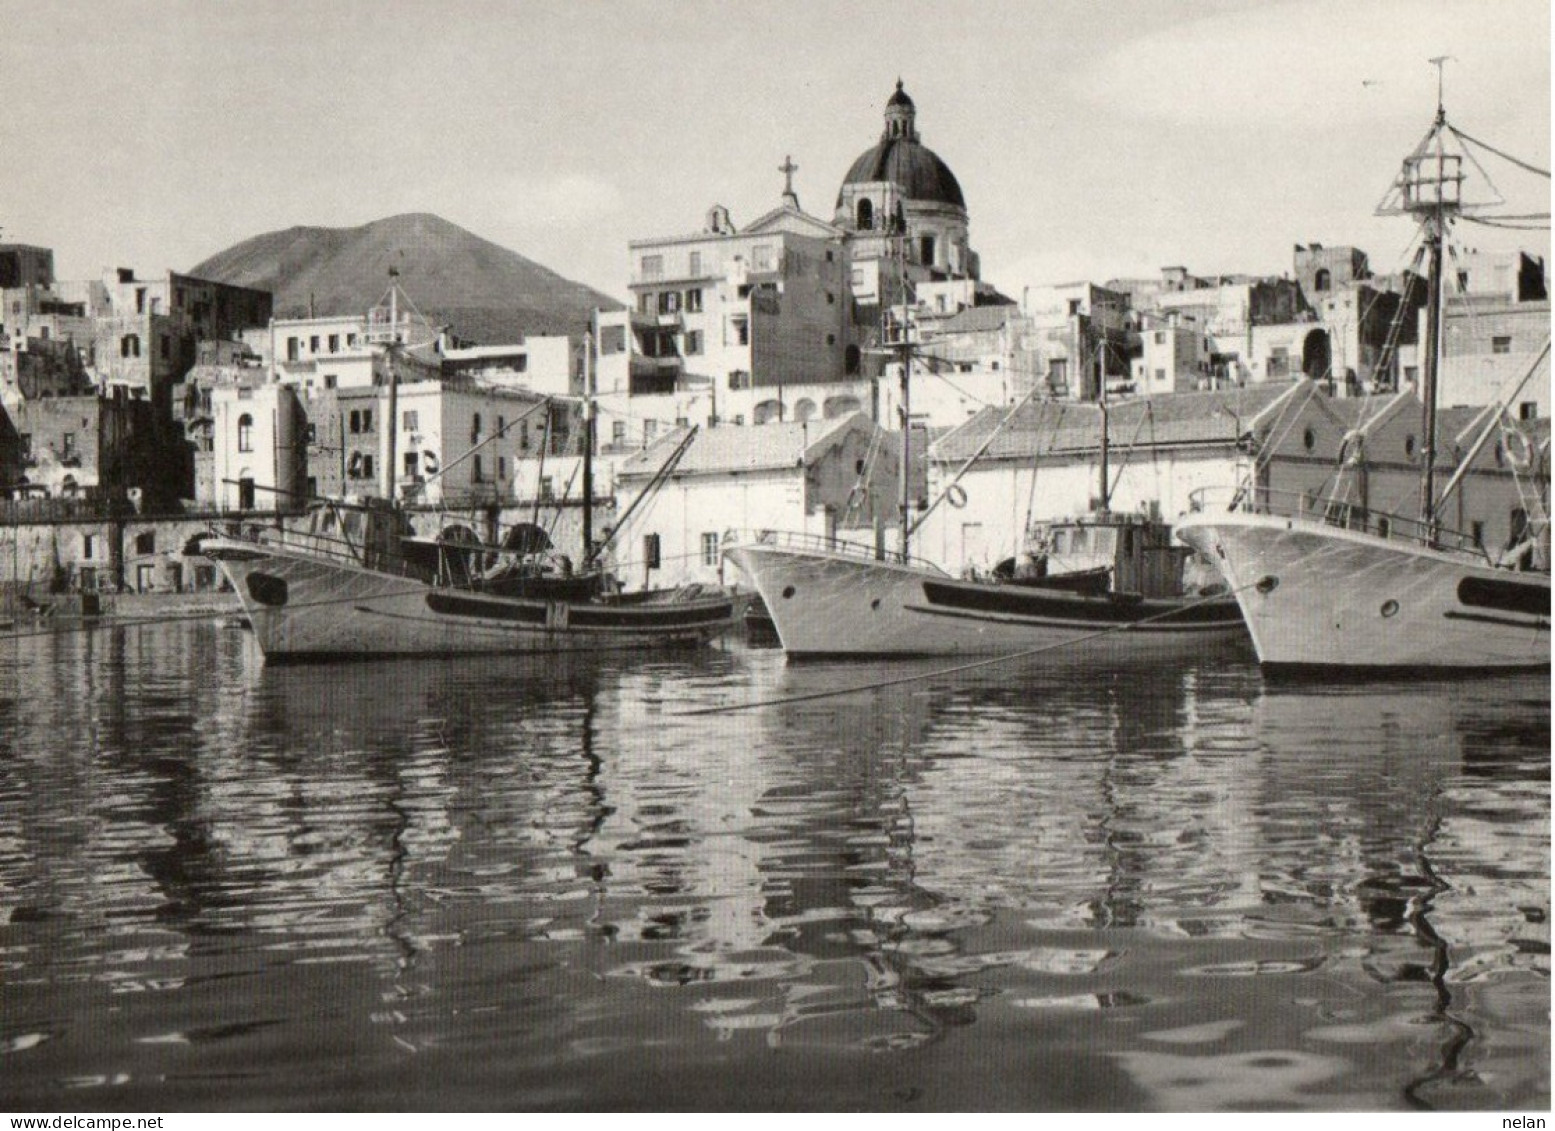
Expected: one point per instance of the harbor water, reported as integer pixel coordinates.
(542, 884)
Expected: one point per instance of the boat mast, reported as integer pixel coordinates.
(1436, 236)
(391, 424)
(1101, 400)
(588, 448)
(906, 355)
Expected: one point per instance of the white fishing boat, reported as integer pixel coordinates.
(1349, 587)
(1103, 585)
(354, 581)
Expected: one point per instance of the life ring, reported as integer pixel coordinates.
(429, 462)
(955, 495)
(1519, 451)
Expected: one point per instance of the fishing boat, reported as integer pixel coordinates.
(354, 581)
(1335, 588)
(1103, 585)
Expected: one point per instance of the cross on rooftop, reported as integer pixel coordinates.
(788, 169)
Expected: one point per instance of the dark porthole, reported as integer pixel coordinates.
(1389, 608)
(788, 591)
(1267, 584)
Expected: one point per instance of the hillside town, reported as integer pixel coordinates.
(755, 381)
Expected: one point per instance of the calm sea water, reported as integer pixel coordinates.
(522, 884)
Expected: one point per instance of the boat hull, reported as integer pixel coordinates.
(1317, 597)
(306, 608)
(827, 604)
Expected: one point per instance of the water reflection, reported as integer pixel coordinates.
(538, 883)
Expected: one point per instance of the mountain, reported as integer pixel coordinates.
(485, 293)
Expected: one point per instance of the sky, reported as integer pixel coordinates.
(1091, 140)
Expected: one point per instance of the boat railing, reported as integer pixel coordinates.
(1341, 514)
(795, 540)
(326, 547)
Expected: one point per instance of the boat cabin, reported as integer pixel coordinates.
(1103, 552)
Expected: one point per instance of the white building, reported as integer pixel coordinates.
(259, 448)
(824, 478)
(1045, 463)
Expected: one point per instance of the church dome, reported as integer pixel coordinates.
(902, 158)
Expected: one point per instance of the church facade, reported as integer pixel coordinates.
(776, 320)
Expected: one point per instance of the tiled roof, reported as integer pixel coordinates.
(1043, 427)
(739, 447)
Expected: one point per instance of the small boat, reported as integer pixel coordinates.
(355, 581)
(1341, 587)
(833, 599)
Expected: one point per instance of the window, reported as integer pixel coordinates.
(313, 344)
(694, 300)
(329, 380)
(523, 435)
(669, 302)
(926, 249)
(547, 487)
(476, 475)
(502, 467)
(367, 420)
(693, 342)
(612, 339)
(86, 545)
(696, 269)
(645, 302)
(1477, 532)
(1322, 281)
(475, 428)
(367, 466)
(761, 257)
(356, 421)
(129, 345)
(521, 363)
(866, 215)
(350, 339)
(410, 420)
(67, 443)
(313, 433)
(710, 548)
(653, 267)
(293, 349)
(1160, 375)
(1527, 410)
(245, 433)
(618, 432)
(412, 464)
(740, 331)
(1160, 337)
(334, 343)
(831, 339)
(1501, 343)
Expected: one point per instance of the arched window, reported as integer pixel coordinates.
(866, 215)
(1323, 280)
(245, 433)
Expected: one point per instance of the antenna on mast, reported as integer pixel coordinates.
(1440, 63)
